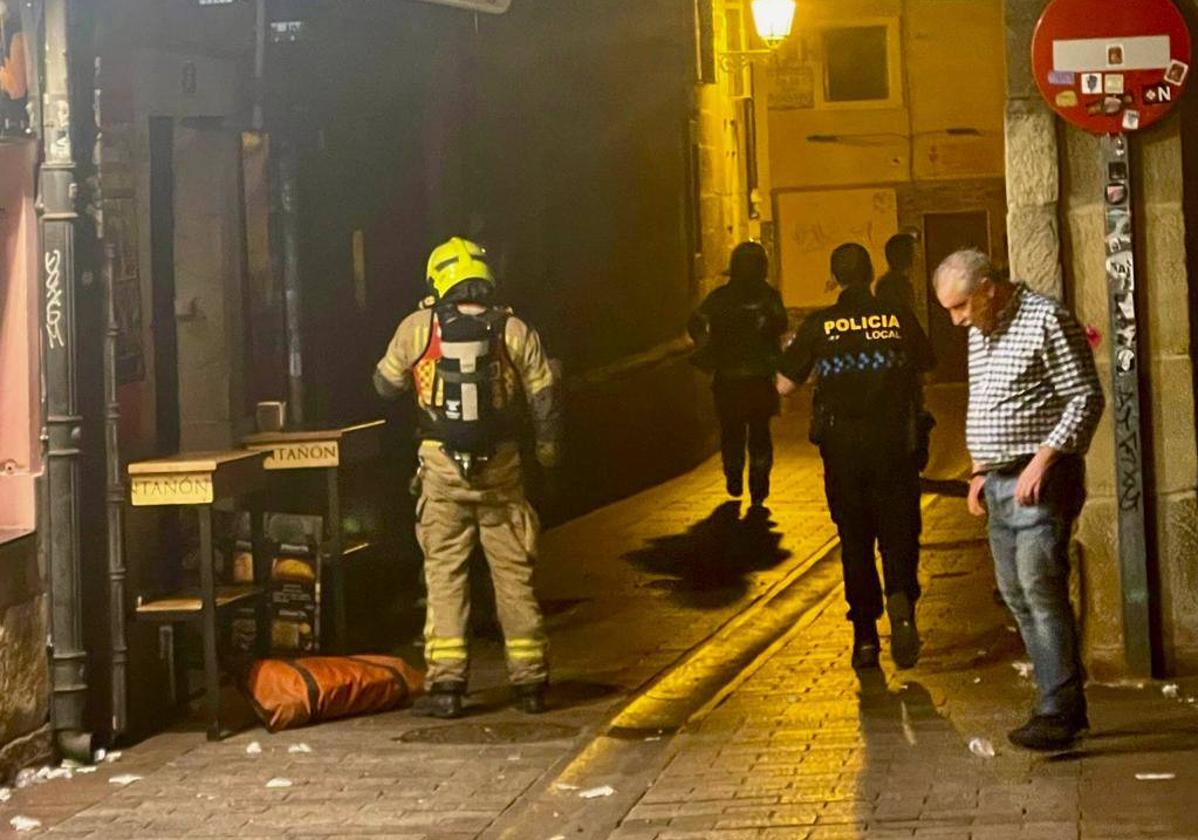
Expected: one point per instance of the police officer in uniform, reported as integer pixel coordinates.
(470, 364)
(737, 330)
(866, 357)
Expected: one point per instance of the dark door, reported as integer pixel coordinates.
(162, 268)
(945, 233)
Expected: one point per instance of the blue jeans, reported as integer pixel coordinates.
(1030, 546)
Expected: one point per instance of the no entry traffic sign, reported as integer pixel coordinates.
(1111, 66)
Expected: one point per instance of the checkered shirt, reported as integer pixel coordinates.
(1032, 383)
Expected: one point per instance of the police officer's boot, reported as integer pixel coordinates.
(759, 481)
(866, 645)
(444, 700)
(530, 698)
(735, 485)
(904, 635)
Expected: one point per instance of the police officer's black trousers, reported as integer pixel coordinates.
(872, 485)
(744, 407)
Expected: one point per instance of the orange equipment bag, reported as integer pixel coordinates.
(294, 692)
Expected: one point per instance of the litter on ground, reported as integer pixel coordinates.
(981, 747)
(596, 792)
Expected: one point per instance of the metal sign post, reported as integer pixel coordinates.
(1112, 67)
(1125, 405)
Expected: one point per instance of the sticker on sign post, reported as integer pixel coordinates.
(1091, 83)
(1177, 72)
(1159, 94)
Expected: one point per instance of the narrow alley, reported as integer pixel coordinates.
(793, 744)
(386, 395)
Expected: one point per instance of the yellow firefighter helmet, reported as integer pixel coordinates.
(457, 261)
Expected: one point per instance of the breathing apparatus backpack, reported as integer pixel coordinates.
(466, 392)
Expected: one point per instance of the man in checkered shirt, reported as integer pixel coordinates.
(1034, 402)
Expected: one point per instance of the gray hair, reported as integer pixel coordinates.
(968, 267)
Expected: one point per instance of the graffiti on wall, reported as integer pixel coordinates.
(55, 338)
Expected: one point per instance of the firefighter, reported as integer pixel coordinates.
(471, 363)
(867, 356)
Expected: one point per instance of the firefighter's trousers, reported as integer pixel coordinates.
(454, 515)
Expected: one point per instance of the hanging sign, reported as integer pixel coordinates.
(1111, 66)
(492, 7)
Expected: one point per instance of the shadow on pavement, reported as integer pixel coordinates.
(879, 708)
(707, 567)
(1132, 741)
(562, 694)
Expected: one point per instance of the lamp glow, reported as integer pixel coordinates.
(773, 20)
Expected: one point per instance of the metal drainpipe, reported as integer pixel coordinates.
(115, 504)
(114, 491)
(63, 429)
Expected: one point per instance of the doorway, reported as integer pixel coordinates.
(162, 270)
(945, 233)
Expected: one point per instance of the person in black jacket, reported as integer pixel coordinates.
(867, 356)
(894, 287)
(738, 330)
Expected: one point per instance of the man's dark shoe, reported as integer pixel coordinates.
(735, 486)
(1049, 732)
(904, 635)
(444, 700)
(865, 645)
(530, 698)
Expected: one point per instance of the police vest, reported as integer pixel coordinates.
(466, 383)
(862, 368)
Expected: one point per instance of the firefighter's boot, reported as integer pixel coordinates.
(444, 700)
(530, 698)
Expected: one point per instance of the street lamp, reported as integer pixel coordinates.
(773, 20)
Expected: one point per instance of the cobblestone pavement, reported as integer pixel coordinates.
(628, 590)
(804, 749)
(796, 747)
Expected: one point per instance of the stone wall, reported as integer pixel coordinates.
(1033, 182)
(1056, 231)
(24, 674)
(723, 201)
